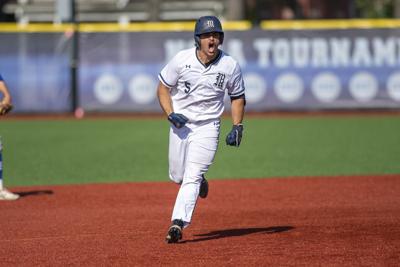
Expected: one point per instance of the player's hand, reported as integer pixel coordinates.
(177, 119)
(5, 108)
(234, 137)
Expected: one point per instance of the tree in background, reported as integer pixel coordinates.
(376, 8)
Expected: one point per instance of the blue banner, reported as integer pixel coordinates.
(287, 69)
(35, 67)
(283, 69)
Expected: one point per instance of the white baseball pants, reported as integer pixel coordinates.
(191, 152)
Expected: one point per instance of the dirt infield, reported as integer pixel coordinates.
(333, 221)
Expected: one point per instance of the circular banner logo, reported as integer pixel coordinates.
(363, 86)
(108, 89)
(326, 87)
(256, 87)
(289, 87)
(143, 89)
(393, 86)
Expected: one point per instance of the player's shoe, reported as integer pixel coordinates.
(7, 195)
(174, 232)
(203, 188)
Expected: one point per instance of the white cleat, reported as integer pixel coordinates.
(7, 195)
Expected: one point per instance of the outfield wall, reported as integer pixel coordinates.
(294, 65)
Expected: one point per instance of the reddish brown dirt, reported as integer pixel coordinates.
(333, 221)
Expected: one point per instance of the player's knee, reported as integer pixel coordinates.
(175, 178)
(193, 178)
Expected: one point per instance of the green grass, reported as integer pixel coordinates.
(314, 146)
(43, 152)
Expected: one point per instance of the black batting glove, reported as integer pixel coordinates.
(177, 119)
(234, 137)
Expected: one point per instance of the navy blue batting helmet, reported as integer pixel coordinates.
(207, 24)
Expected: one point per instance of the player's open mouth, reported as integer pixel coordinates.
(211, 47)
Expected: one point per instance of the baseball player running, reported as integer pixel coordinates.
(191, 93)
(5, 107)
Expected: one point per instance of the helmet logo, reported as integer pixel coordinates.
(210, 23)
(207, 24)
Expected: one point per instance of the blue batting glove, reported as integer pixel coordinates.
(177, 119)
(234, 137)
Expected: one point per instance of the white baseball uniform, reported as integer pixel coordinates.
(197, 91)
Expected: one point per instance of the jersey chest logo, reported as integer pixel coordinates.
(219, 80)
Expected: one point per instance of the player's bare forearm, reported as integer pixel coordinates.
(237, 110)
(6, 99)
(164, 98)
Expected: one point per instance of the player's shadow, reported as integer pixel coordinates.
(239, 232)
(35, 193)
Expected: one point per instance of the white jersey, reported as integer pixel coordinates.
(197, 91)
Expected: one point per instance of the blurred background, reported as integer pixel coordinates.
(173, 10)
(59, 56)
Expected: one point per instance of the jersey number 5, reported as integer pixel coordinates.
(187, 85)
